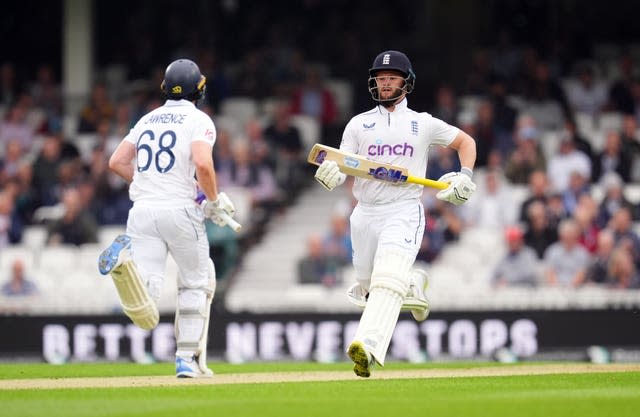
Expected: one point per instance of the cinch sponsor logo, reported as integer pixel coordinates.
(403, 149)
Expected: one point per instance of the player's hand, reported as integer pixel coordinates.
(460, 188)
(215, 209)
(328, 174)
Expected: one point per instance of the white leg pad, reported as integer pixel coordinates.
(134, 297)
(389, 285)
(192, 320)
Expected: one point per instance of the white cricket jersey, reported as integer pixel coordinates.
(401, 137)
(164, 173)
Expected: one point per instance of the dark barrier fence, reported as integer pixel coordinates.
(322, 337)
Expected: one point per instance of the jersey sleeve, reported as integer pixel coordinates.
(204, 130)
(441, 132)
(349, 142)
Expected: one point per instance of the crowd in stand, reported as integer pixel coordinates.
(526, 115)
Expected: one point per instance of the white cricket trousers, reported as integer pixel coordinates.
(396, 227)
(179, 229)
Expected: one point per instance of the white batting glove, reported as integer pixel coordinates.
(213, 209)
(460, 188)
(328, 174)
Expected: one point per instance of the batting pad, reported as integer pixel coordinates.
(134, 297)
(378, 322)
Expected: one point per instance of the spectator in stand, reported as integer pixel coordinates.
(566, 260)
(19, 284)
(622, 271)
(579, 186)
(313, 99)
(446, 105)
(47, 96)
(565, 162)
(45, 169)
(98, 108)
(613, 200)
(25, 199)
(488, 135)
(597, 270)
(505, 114)
(317, 267)
(337, 242)
(622, 225)
(587, 95)
(254, 135)
(9, 84)
(540, 234)
(538, 190)
(620, 95)
(77, 226)
(612, 159)
(545, 98)
(285, 141)
(585, 217)
(14, 127)
(570, 132)
(10, 163)
(494, 207)
(122, 121)
(520, 266)
(556, 209)
(527, 156)
(630, 140)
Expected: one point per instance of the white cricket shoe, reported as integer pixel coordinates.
(115, 255)
(362, 360)
(416, 299)
(189, 368)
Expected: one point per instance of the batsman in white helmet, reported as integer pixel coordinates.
(388, 222)
(166, 158)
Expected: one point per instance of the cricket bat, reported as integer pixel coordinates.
(359, 166)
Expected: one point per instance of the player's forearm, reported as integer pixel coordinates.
(121, 162)
(207, 182)
(467, 152)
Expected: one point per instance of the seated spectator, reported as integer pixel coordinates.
(612, 159)
(493, 207)
(99, 107)
(570, 132)
(585, 217)
(565, 162)
(578, 187)
(77, 226)
(540, 234)
(538, 187)
(18, 284)
(566, 260)
(318, 267)
(9, 164)
(489, 135)
(337, 242)
(446, 106)
(613, 200)
(14, 127)
(286, 143)
(47, 96)
(622, 271)
(597, 270)
(519, 267)
(587, 95)
(630, 142)
(313, 99)
(622, 226)
(620, 96)
(526, 157)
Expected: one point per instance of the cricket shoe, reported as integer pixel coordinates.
(362, 360)
(189, 368)
(115, 255)
(416, 300)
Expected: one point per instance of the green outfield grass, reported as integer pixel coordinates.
(584, 395)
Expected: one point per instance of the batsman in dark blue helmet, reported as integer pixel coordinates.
(183, 80)
(172, 150)
(387, 224)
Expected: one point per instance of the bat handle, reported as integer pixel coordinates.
(234, 225)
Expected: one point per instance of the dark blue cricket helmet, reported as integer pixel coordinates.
(391, 60)
(182, 79)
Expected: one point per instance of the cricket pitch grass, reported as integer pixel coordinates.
(311, 389)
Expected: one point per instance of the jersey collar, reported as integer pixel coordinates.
(176, 103)
(399, 107)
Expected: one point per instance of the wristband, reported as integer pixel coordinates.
(467, 171)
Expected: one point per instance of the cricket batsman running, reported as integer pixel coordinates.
(170, 145)
(388, 222)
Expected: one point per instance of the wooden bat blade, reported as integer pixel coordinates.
(359, 166)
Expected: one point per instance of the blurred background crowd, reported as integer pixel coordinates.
(554, 110)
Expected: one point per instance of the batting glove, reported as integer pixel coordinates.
(213, 209)
(459, 190)
(328, 174)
